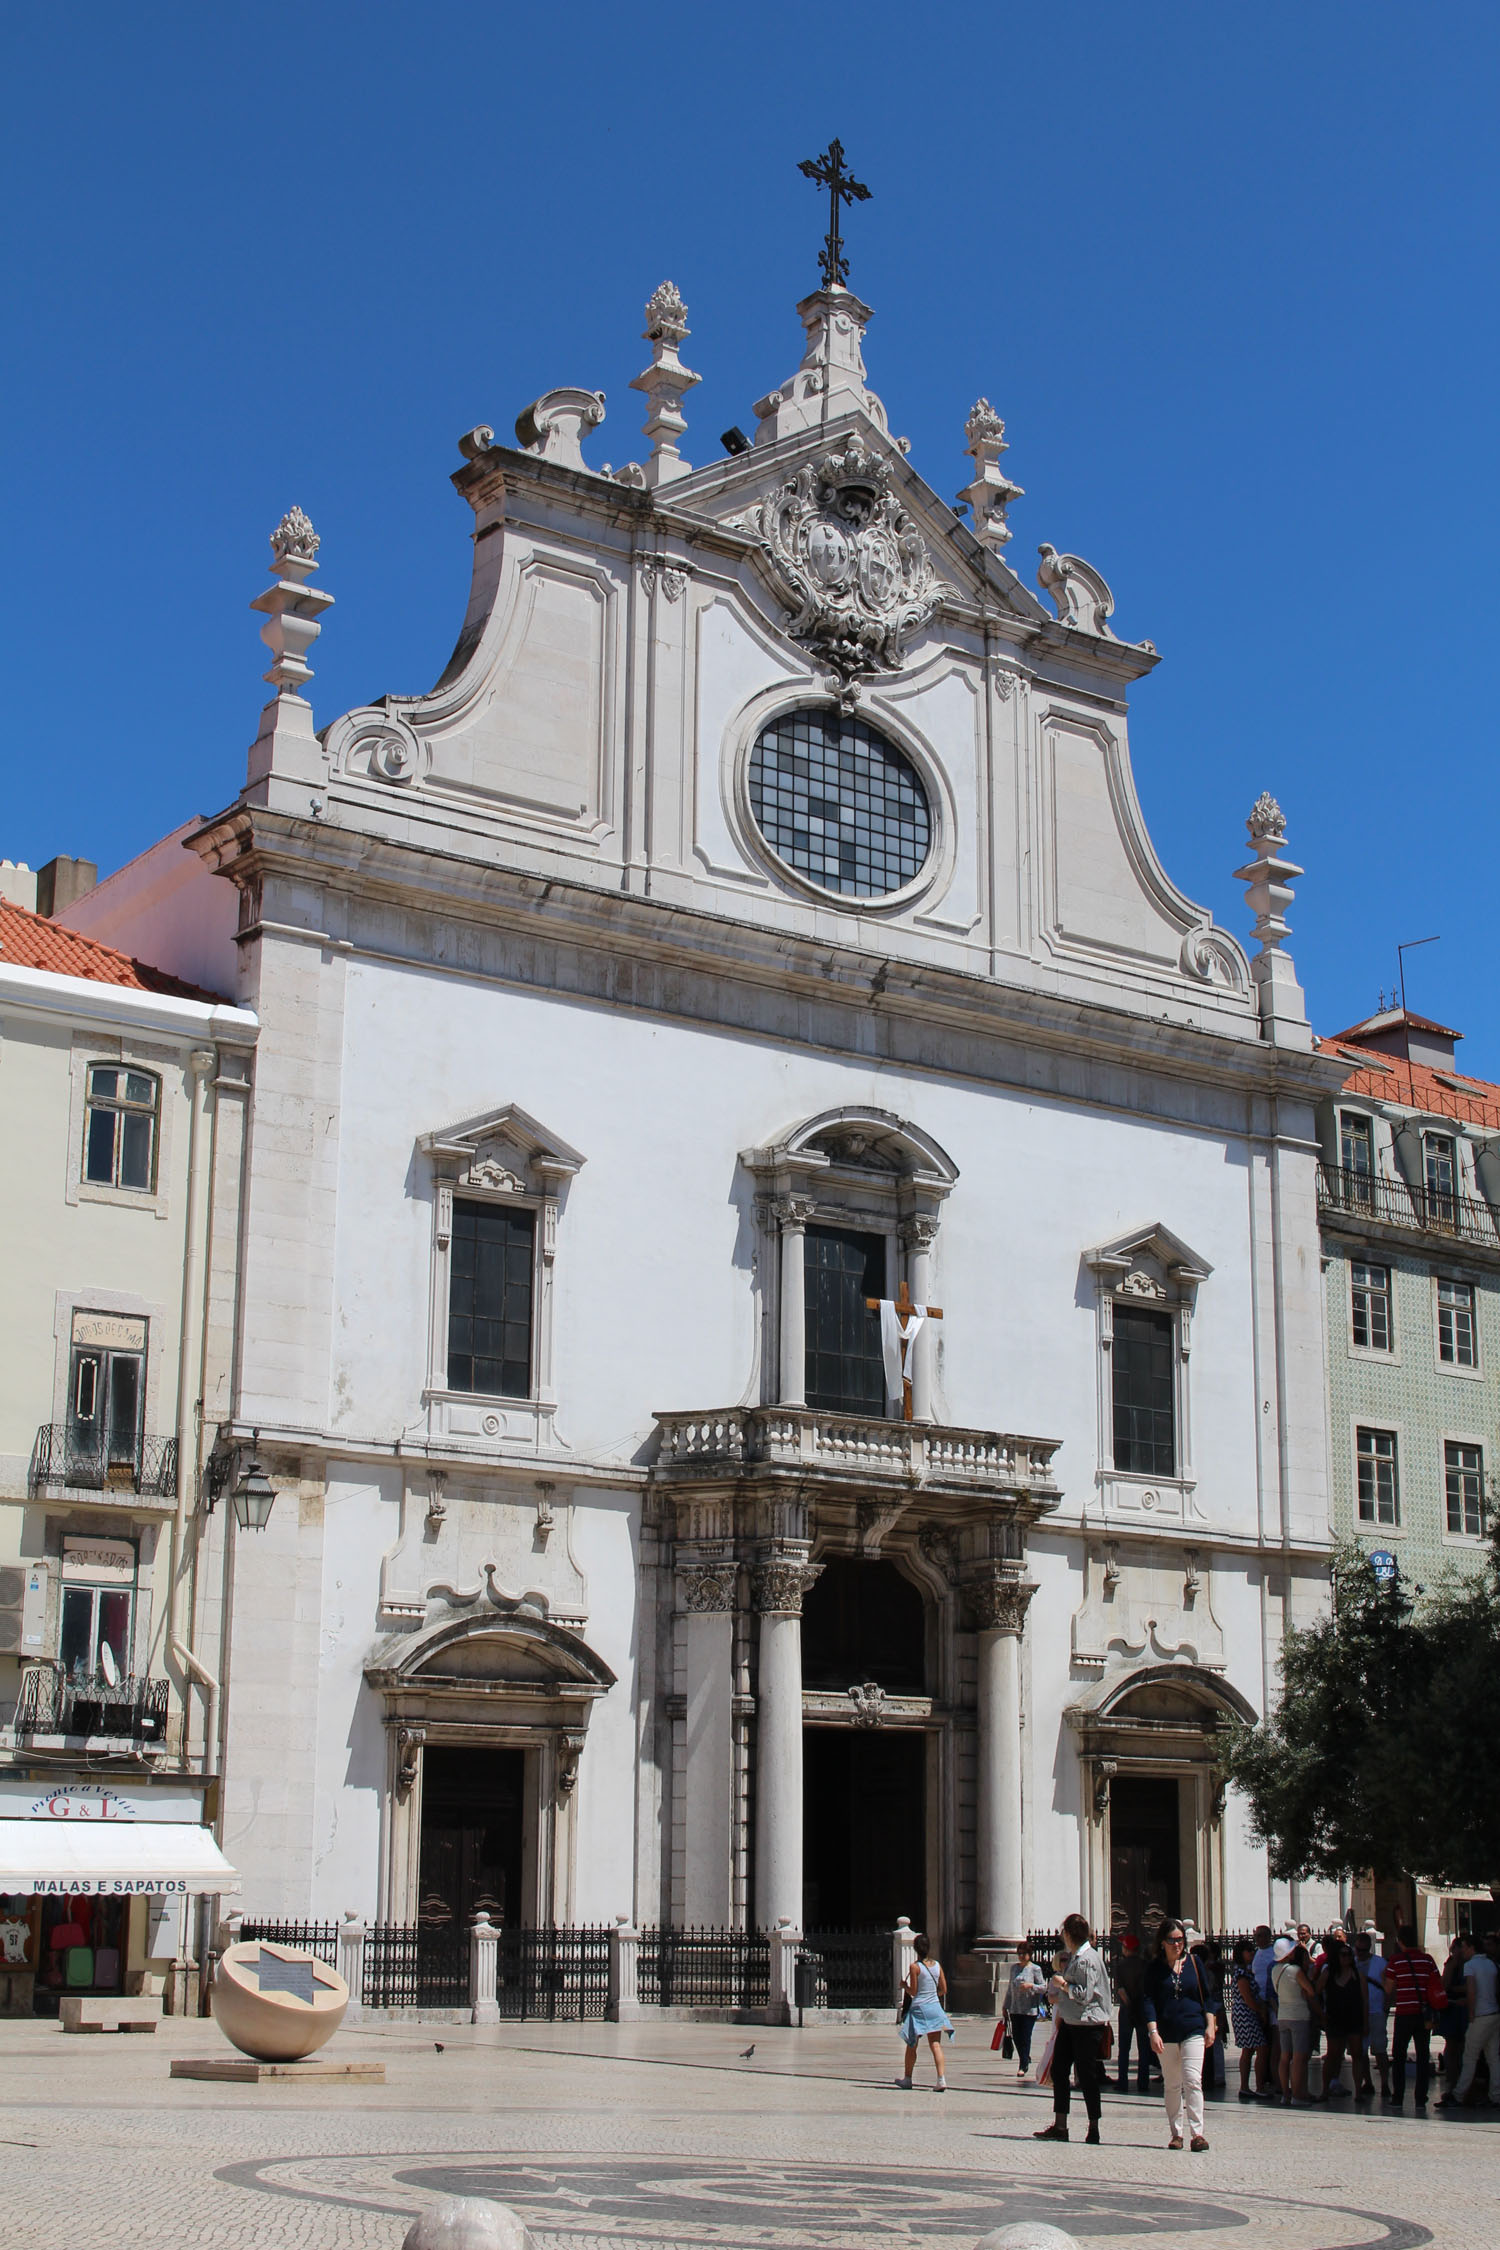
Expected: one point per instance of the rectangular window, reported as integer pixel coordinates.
(489, 1300)
(119, 1136)
(1463, 1477)
(1356, 1152)
(1440, 1163)
(1456, 1323)
(841, 1270)
(1370, 1298)
(95, 1619)
(1143, 1380)
(1379, 1492)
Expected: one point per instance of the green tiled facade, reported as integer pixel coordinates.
(1408, 1390)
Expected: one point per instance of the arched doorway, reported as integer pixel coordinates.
(864, 1749)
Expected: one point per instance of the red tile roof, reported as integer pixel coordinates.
(31, 941)
(1391, 1078)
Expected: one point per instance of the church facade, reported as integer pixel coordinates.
(755, 928)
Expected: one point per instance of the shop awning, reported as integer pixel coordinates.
(111, 1859)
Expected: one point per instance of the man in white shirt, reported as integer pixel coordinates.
(1482, 1989)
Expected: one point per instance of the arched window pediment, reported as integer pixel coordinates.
(515, 1651)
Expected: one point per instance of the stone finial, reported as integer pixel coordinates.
(991, 491)
(1266, 819)
(1268, 876)
(666, 314)
(294, 536)
(831, 379)
(666, 383)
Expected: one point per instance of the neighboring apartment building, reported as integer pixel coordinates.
(1409, 1206)
(122, 1100)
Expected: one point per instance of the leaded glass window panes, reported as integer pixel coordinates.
(119, 1135)
(489, 1300)
(839, 803)
(1456, 1323)
(1370, 1304)
(1379, 1489)
(841, 1269)
(1463, 1477)
(1143, 1380)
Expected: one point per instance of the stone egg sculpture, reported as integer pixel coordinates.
(277, 2003)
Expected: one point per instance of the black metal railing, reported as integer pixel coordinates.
(60, 1458)
(413, 1966)
(846, 1969)
(126, 1710)
(321, 1938)
(705, 1968)
(562, 1975)
(1397, 1203)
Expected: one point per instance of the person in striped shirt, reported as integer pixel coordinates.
(1409, 1975)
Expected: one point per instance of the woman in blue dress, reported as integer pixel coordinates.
(926, 2016)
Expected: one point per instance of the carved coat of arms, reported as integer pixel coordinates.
(847, 560)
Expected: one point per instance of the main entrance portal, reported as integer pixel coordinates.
(1145, 1851)
(473, 1816)
(864, 1835)
(864, 1827)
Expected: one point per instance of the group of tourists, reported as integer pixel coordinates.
(1282, 1998)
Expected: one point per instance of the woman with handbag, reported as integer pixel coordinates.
(1025, 1997)
(1181, 2025)
(923, 2014)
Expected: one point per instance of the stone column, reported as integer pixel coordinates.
(999, 1600)
(779, 1583)
(918, 1235)
(792, 1213)
(708, 1595)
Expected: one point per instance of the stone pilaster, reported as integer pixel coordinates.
(708, 1594)
(778, 1583)
(999, 1600)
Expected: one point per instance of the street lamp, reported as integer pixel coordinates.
(254, 1496)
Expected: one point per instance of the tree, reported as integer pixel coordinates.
(1384, 1751)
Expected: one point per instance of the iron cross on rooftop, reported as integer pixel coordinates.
(828, 171)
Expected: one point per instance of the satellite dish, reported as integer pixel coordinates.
(108, 1666)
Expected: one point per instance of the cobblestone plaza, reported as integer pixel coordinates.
(630, 2138)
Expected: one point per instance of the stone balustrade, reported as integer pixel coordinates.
(804, 1439)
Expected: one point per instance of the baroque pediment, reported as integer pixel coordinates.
(503, 1150)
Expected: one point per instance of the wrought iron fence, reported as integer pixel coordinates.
(320, 1938)
(846, 1969)
(562, 1975)
(702, 1968)
(409, 1965)
(1397, 1203)
(60, 1457)
(126, 1710)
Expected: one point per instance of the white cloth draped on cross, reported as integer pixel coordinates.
(900, 1325)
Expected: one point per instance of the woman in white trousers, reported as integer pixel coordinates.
(1180, 2025)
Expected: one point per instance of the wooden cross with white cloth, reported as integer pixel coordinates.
(900, 1324)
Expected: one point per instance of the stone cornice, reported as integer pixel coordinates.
(611, 936)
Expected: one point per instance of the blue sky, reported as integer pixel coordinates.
(1226, 269)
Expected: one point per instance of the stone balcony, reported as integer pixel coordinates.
(854, 1452)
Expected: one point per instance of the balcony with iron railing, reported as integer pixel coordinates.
(62, 1460)
(1374, 1200)
(89, 1707)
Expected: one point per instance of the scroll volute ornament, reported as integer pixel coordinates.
(999, 1602)
(778, 1587)
(709, 1588)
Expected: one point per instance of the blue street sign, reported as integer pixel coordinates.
(1383, 1563)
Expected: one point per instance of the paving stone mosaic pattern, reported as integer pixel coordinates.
(646, 2138)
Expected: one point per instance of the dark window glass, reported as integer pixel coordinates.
(119, 1135)
(1370, 1296)
(1379, 1489)
(1456, 1323)
(489, 1300)
(845, 1374)
(1355, 1152)
(839, 803)
(76, 1647)
(1145, 1437)
(1463, 1475)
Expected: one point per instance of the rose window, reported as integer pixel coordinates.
(839, 803)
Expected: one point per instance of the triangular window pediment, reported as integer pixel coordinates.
(1150, 1264)
(505, 1151)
